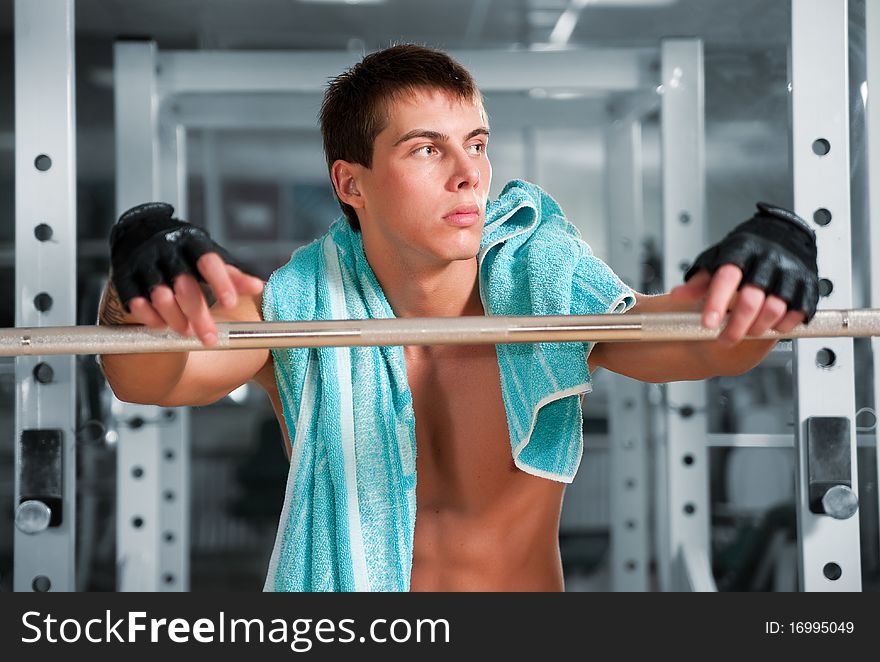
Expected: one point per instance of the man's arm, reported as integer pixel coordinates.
(675, 361)
(764, 272)
(156, 263)
(176, 379)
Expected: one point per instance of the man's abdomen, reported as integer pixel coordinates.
(482, 524)
(511, 546)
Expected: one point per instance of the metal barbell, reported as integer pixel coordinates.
(43, 341)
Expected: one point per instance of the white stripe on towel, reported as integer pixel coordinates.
(303, 421)
(346, 416)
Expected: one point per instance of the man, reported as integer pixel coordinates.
(406, 136)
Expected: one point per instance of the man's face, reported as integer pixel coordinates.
(424, 198)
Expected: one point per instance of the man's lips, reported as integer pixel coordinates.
(463, 216)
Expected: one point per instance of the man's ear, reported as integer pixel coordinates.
(345, 178)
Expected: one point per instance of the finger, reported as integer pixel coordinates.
(192, 304)
(792, 319)
(143, 312)
(213, 269)
(695, 288)
(721, 290)
(244, 283)
(165, 304)
(748, 305)
(772, 312)
(148, 316)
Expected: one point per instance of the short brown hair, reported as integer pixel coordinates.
(354, 109)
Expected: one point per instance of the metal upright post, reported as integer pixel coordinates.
(174, 477)
(172, 163)
(45, 285)
(683, 480)
(153, 452)
(828, 545)
(627, 403)
(872, 122)
(211, 185)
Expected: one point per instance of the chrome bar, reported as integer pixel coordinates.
(473, 330)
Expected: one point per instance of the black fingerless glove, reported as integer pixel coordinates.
(776, 251)
(148, 248)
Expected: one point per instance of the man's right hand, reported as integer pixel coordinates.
(157, 263)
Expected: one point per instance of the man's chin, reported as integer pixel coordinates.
(465, 250)
(462, 254)
(470, 256)
(453, 257)
(453, 249)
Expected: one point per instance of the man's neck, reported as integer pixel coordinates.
(449, 290)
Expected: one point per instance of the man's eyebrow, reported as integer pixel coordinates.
(421, 133)
(482, 131)
(436, 135)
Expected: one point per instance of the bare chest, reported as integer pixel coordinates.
(464, 459)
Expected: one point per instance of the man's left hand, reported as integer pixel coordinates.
(764, 272)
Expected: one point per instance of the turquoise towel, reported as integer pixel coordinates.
(349, 512)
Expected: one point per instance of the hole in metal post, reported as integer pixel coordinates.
(832, 571)
(826, 287)
(42, 163)
(821, 147)
(43, 302)
(44, 373)
(822, 216)
(43, 232)
(825, 358)
(41, 584)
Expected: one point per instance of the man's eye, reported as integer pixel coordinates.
(427, 150)
(478, 148)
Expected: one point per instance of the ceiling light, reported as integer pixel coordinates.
(343, 2)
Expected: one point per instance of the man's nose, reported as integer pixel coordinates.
(466, 173)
